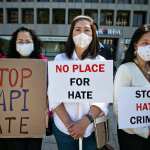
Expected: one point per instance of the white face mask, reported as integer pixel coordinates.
(82, 40)
(144, 52)
(24, 49)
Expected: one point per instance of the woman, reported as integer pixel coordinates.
(68, 127)
(25, 44)
(135, 71)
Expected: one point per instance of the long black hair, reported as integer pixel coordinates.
(92, 50)
(12, 52)
(130, 53)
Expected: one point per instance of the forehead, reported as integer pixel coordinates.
(83, 23)
(145, 37)
(24, 35)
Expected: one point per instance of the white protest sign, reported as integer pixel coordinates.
(134, 107)
(80, 81)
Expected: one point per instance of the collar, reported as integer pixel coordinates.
(101, 45)
(74, 56)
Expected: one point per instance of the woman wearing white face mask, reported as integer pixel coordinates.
(135, 71)
(25, 44)
(70, 124)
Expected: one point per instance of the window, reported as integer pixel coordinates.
(92, 13)
(1, 16)
(27, 16)
(12, 0)
(107, 1)
(91, 1)
(139, 18)
(43, 16)
(59, 0)
(123, 18)
(58, 16)
(124, 1)
(106, 17)
(141, 1)
(54, 47)
(12, 15)
(74, 0)
(27, 0)
(73, 13)
(43, 0)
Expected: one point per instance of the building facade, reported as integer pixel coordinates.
(116, 19)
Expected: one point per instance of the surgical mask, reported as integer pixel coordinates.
(82, 40)
(24, 49)
(144, 52)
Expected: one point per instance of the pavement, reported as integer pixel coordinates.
(49, 143)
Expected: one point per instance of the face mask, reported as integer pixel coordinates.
(24, 49)
(82, 40)
(144, 52)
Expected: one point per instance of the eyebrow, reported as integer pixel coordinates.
(83, 27)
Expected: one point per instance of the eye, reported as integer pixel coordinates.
(28, 42)
(77, 29)
(87, 30)
(145, 43)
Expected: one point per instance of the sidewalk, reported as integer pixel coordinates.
(49, 143)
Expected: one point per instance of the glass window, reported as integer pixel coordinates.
(91, 1)
(124, 1)
(53, 47)
(141, 1)
(139, 18)
(107, 1)
(58, 16)
(59, 0)
(1, 16)
(73, 13)
(43, 0)
(92, 13)
(43, 16)
(106, 17)
(4, 44)
(27, 0)
(12, 15)
(74, 0)
(12, 0)
(27, 16)
(123, 18)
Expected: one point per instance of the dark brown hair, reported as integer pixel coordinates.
(92, 50)
(130, 53)
(12, 52)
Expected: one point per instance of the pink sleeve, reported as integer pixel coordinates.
(44, 58)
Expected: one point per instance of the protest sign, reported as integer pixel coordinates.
(22, 98)
(80, 81)
(134, 107)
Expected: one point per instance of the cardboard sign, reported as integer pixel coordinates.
(134, 107)
(80, 81)
(22, 98)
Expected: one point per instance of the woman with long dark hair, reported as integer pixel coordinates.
(135, 71)
(25, 44)
(69, 123)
